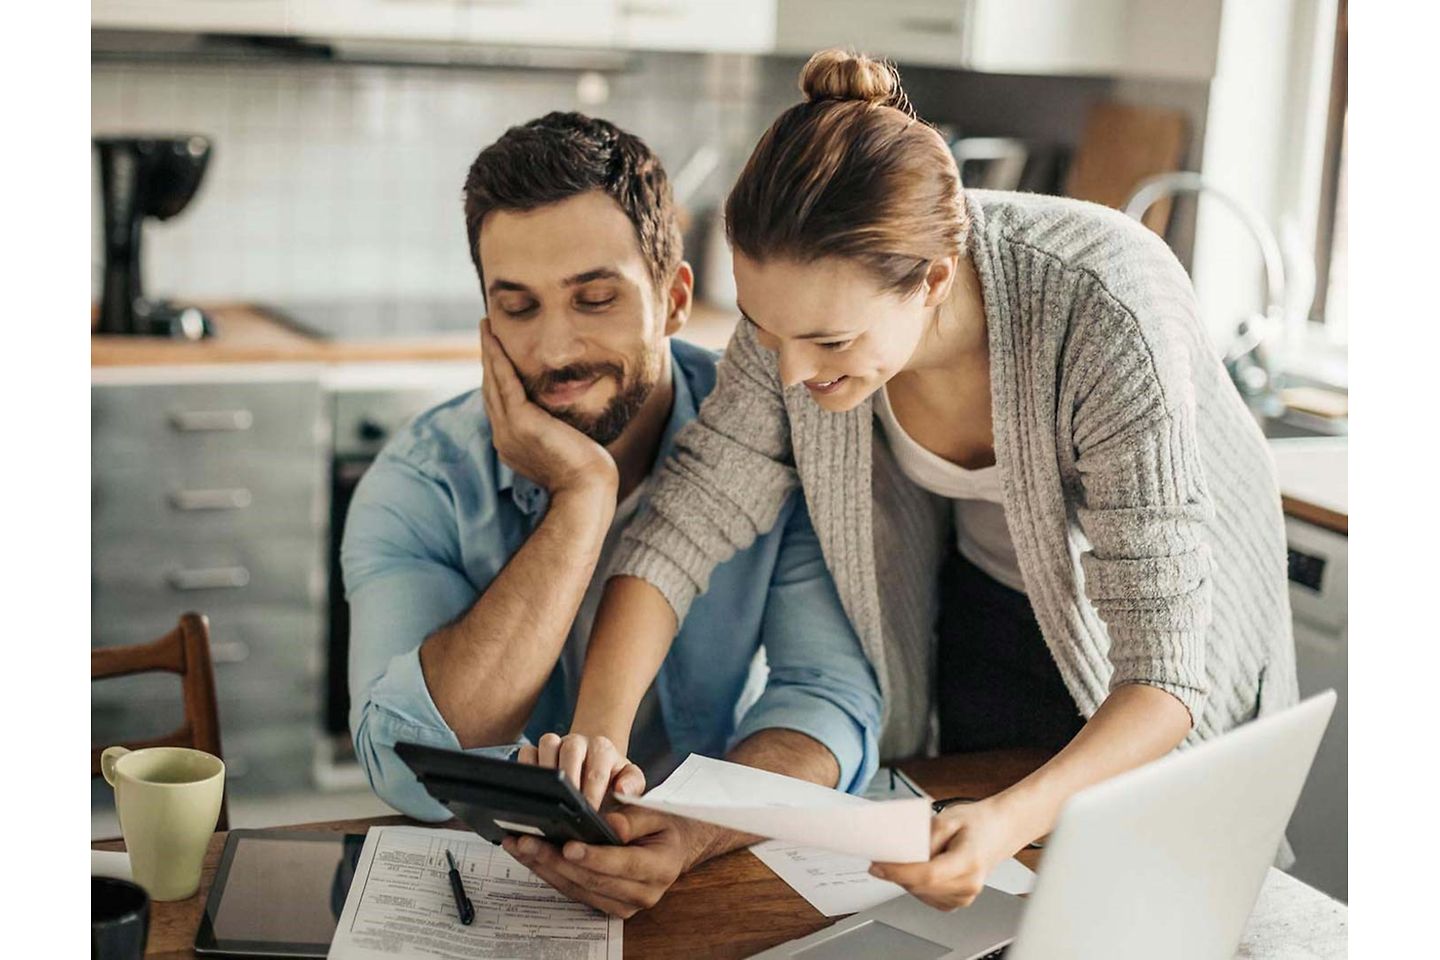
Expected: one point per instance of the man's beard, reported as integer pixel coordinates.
(606, 426)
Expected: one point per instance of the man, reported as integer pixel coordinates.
(476, 546)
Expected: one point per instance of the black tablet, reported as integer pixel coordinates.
(278, 893)
(500, 798)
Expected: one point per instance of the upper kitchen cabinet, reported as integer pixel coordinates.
(1151, 38)
(198, 16)
(438, 20)
(566, 23)
(738, 26)
(524, 22)
(1159, 38)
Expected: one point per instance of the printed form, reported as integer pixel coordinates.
(400, 905)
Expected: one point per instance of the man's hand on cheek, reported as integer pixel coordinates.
(621, 880)
(531, 441)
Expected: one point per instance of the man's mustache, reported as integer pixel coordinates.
(542, 383)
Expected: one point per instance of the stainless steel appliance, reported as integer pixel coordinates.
(1319, 601)
(1007, 163)
(365, 415)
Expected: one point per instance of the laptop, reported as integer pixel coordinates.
(1163, 861)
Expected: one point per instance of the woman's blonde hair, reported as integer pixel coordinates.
(850, 172)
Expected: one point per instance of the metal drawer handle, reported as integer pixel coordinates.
(229, 498)
(210, 578)
(230, 651)
(212, 421)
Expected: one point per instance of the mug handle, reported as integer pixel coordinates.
(107, 762)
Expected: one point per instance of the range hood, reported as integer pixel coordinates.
(157, 46)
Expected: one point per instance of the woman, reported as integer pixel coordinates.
(1114, 581)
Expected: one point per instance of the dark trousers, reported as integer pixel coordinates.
(997, 685)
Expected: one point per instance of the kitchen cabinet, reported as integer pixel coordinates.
(199, 16)
(1318, 596)
(437, 20)
(540, 22)
(566, 23)
(212, 497)
(1156, 38)
(932, 32)
(740, 26)
(1063, 37)
(523, 22)
(1313, 482)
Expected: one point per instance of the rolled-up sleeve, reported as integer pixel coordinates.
(821, 684)
(1145, 507)
(403, 582)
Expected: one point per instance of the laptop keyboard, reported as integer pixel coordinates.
(996, 954)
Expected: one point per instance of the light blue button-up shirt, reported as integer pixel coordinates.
(437, 516)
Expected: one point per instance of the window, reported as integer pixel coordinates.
(1331, 272)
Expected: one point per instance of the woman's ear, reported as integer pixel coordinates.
(939, 279)
(679, 299)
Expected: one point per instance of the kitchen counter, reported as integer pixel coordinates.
(1314, 480)
(248, 335)
(1312, 471)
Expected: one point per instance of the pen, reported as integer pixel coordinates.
(463, 906)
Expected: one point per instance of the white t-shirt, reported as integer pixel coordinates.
(649, 744)
(981, 533)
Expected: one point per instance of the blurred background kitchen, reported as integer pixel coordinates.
(280, 276)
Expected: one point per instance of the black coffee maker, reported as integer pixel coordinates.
(145, 177)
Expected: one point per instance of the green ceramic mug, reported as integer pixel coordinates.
(168, 799)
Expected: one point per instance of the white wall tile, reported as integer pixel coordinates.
(341, 182)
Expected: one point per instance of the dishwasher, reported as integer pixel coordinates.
(1319, 577)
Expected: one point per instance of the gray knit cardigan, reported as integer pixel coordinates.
(1139, 492)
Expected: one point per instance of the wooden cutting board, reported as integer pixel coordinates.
(1122, 145)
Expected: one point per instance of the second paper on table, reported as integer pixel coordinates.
(837, 885)
(783, 808)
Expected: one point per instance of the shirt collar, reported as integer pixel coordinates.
(532, 498)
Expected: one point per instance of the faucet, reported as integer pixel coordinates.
(1248, 358)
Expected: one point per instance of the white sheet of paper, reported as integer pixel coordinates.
(1011, 876)
(783, 808)
(110, 863)
(400, 904)
(837, 885)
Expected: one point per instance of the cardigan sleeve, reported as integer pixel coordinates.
(724, 483)
(1144, 506)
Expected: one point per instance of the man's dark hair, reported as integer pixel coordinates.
(561, 155)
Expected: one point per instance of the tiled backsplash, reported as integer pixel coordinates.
(345, 182)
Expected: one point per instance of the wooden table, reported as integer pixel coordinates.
(732, 906)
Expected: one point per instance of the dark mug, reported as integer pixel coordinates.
(119, 919)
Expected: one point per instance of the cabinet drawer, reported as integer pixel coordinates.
(275, 757)
(267, 670)
(252, 650)
(139, 578)
(191, 424)
(213, 500)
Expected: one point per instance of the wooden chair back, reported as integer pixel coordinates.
(186, 651)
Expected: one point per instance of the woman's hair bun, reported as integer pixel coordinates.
(836, 74)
